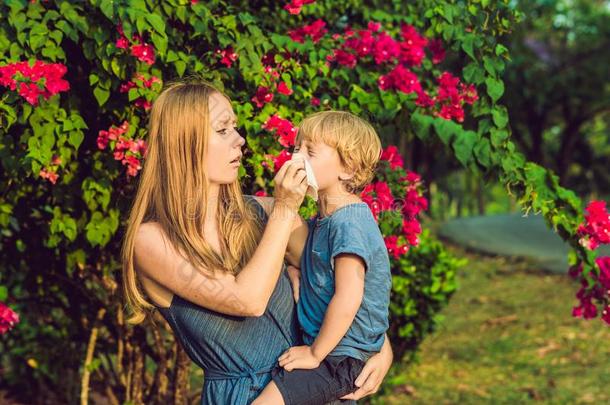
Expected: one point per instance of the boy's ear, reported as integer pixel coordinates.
(345, 175)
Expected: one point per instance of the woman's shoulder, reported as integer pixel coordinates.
(149, 239)
(265, 202)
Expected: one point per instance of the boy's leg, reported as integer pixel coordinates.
(270, 395)
(331, 380)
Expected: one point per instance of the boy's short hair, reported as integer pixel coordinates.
(355, 140)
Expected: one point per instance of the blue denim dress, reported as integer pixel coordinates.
(236, 353)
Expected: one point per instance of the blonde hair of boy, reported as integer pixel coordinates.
(355, 140)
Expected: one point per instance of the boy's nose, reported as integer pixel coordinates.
(299, 155)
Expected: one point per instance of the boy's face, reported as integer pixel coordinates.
(324, 161)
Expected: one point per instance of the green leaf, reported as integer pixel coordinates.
(495, 88)
(180, 67)
(468, 45)
(157, 23)
(498, 136)
(473, 73)
(463, 146)
(482, 152)
(101, 95)
(107, 8)
(500, 116)
(446, 129)
(160, 43)
(421, 125)
(3, 293)
(76, 138)
(501, 49)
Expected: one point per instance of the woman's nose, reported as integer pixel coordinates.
(240, 140)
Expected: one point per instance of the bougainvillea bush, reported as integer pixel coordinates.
(78, 79)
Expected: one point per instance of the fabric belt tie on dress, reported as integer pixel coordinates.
(226, 375)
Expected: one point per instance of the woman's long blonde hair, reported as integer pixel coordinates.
(172, 191)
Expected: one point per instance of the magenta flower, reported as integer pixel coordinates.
(8, 318)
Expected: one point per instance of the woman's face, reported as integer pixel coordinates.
(225, 143)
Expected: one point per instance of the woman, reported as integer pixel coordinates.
(210, 259)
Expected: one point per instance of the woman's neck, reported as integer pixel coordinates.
(212, 204)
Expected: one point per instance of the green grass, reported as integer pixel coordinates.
(508, 337)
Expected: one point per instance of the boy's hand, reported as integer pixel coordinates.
(294, 274)
(298, 357)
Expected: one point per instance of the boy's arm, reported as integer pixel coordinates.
(349, 290)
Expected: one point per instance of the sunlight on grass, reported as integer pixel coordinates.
(508, 337)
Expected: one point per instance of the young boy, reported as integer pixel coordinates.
(345, 283)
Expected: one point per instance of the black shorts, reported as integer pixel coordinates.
(332, 379)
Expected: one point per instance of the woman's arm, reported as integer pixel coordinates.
(374, 372)
(298, 234)
(245, 294)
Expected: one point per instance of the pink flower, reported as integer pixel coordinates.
(315, 101)
(30, 92)
(125, 87)
(384, 195)
(8, 318)
(49, 175)
(282, 88)
(395, 249)
(382, 200)
(144, 52)
(314, 30)
(227, 56)
(343, 58)
(363, 44)
(392, 155)
(606, 315)
(27, 80)
(385, 49)
(261, 193)
(412, 47)
(414, 203)
(294, 7)
(262, 97)
(143, 103)
(468, 93)
(423, 99)
(603, 263)
(284, 129)
(411, 229)
(412, 177)
(401, 79)
(438, 53)
(595, 230)
(122, 43)
(279, 160)
(373, 26)
(449, 111)
(133, 165)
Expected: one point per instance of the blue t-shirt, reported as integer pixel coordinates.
(350, 229)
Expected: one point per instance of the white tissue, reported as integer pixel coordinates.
(312, 189)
